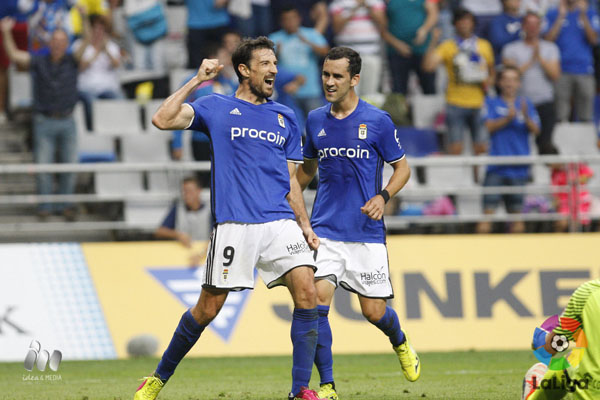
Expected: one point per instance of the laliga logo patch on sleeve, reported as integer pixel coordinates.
(397, 139)
(362, 131)
(281, 120)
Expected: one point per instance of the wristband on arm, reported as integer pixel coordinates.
(386, 196)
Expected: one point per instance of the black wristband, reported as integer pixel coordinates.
(386, 196)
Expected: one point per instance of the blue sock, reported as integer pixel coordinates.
(390, 325)
(187, 333)
(323, 356)
(305, 326)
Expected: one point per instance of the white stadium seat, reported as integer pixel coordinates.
(452, 178)
(79, 117)
(118, 183)
(575, 138)
(150, 109)
(152, 147)
(177, 77)
(425, 109)
(116, 117)
(449, 177)
(145, 212)
(20, 90)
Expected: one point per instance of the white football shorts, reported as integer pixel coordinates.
(361, 268)
(274, 248)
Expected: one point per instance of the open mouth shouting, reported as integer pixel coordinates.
(270, 81)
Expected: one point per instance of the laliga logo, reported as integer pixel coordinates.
(566, 357)
(41, 358)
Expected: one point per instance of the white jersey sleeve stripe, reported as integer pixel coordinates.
(396, 160)
(193, 115)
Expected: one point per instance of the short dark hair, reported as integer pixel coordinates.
(531, 13)
(502, 71)
(287, 7)
(354, 61)
(190, 179)
(97, 18)
(243, 53)
(462, 13)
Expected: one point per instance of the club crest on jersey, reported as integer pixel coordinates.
(362, 131)
(281, 120)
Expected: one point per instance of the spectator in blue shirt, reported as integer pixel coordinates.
(207, 23)
(505, 28)
(313, 13)
(574, 26)
(510, 119)
(287, 84)
(188, 220)
(298, 50)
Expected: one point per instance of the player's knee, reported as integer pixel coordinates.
(373, 313)
(306, 296)
(372, 316)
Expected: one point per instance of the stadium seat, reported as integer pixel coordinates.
(146, 213)
(96, 148)
(178, 76)
(417, 142)
(153, 147)
(20, 90)
(187, 147)
(79, 117)
(425, 109)
(576, 138)
(150, 108)
(175, 15)
(116, 117)
(449, 177)
(454, 178)
(118, 183)
(92, 148)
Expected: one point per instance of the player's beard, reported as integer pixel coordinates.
(258, 91)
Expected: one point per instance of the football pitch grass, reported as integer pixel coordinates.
(453, 375)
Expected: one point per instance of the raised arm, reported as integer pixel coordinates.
(172, 113)
(432, 59)
(554, 30)
(590, 33)
(493, 125)
(320, 16)
(296, 201)
(20, 57)
(551, 68)
(86, 36)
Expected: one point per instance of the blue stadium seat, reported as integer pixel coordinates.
(418, 142)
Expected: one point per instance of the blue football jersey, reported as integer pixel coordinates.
(351, 153)
(250, 147)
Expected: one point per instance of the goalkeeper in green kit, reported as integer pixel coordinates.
(568, 370)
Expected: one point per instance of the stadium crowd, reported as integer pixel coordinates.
(408, 47)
